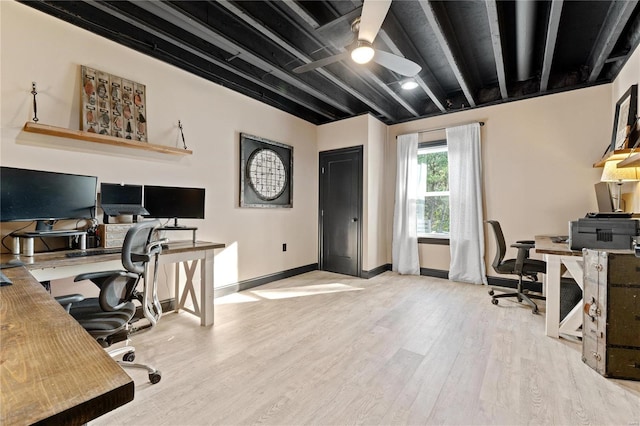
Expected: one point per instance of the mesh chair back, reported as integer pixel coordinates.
(501, 245)
(135, 243)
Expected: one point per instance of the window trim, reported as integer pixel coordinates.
(443, 241)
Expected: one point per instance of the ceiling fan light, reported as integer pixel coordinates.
(363, 53)
(409, 85)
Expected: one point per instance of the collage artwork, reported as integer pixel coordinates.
(113, 106)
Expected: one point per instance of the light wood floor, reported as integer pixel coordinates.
(325, 349)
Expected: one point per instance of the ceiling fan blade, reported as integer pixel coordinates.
(373, 14)
(321, 62)
(396, 63)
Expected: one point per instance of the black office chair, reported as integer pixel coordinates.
(522, 266)
(108, 317)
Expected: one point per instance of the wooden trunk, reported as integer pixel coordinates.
(611, 326)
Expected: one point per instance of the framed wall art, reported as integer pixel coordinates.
(624, 118)
(113, 106)
(266, 173)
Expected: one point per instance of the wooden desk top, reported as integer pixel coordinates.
(58, 258)
(51, 369)
(544, 245)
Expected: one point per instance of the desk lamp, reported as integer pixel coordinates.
(612, 173)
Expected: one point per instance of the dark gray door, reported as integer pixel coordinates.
(341, 210)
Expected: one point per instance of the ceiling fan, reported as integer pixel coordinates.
(366, 27)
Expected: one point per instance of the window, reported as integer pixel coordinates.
(433, 190)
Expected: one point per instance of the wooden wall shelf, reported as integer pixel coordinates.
(44, 129)
(620, 154)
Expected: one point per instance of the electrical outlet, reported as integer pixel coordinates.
(284, 246)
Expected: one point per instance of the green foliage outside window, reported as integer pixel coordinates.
(433, 208)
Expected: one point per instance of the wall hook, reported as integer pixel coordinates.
(182, 134)
(34, 92)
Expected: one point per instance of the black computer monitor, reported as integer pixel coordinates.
(37, 195)
(117, 193)
(170, 202)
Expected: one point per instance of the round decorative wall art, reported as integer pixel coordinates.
(265, 172)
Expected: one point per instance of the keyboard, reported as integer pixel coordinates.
(93, 252)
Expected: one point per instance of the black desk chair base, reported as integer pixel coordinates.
(522, 296)
(128, 356)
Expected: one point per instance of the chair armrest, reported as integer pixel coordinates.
(527, 242)
(102, 274)
(67, 300)
(523, 254)
(158, 244)
(524, 245)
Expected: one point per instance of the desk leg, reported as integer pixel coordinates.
(573, 322)
(206, 289)
(189, 290)
(552, 287)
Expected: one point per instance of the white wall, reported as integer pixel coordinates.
(38, 47)
(537, 163)
(376, 254)
(628, 76)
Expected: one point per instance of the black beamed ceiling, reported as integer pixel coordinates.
(468, 50)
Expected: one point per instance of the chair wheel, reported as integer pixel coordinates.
(129, 356)
(535, 311)
(155, 377)
(491, 293)
(494, 301)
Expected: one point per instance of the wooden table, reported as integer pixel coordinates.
(51, 369)
(55, 265)
(560, 260)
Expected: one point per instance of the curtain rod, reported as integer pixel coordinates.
(441, 128)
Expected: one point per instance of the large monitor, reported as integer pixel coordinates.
(170, 202)
(36, 195)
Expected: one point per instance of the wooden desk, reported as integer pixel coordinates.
(51, 369)
(55, 265)
(560, 259)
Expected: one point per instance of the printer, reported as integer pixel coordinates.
(603, 233)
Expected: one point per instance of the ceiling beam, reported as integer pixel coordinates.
(447, 49)
(301, 56)
(291, 4)
(431, 92)
(496, 41)
(550, 43)
(189, 24)
(222, 64)
(617, 17)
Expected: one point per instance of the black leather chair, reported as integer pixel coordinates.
(522, 266)
(108, 317)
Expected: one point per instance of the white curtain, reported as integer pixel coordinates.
(405, 227)
(466, 241)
